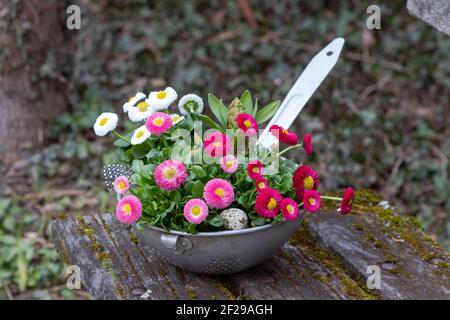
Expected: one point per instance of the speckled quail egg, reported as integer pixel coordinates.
(234, 219)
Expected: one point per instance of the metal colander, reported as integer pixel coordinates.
(221, 252)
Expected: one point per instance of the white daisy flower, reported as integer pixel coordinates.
(162, 99)
(105, 123)
(133, 101)
(176, 118)
(141, 112)
(190, 103)
(140, 135)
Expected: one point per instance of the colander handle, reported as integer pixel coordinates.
(176, 243)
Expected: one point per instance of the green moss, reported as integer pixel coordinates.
(133, 238)
(191, 293)
(355, 288)
(63, 216)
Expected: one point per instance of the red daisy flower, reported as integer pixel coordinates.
(311, 201)
(255, 169)
(307, 144)
(261, 184)
(284, 135)
(268, 203)
(247, 124)
(217, 144)
(304, 178)
(346, 204)
(289, 209)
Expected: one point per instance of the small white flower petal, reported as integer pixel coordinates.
(162, 99)
(176, 118)
(141, 112)
(105, 123)
(190, 103)
(132, 101)
(140, 135)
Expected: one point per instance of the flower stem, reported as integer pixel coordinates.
(118, 135)
(166, 146)
(288, 148)
(331, 198)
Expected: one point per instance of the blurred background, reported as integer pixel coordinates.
(379, 121)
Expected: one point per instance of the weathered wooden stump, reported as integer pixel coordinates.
(326, 259)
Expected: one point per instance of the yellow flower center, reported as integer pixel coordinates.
(142, 106)
(308, 183)
(175, 118)
(255, 170)
(312, 201)
(219, 192)
(272, 204)
(103, 121)
(229, 164)
(161, 95)
(261, 185)
(131, 99)
(126, 208)
(121, 185)
(140, 134)
(284, 131)
(195, 211)
(158, 122)
(217, 144)
(247, 124)
(169, 173)
(289, 208)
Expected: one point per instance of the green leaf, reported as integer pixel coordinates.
(121, 143)
(258, 222)
(139, 151)
(255, 107)
(246, 100)
(267, 112)
(138, 166)
(197, 189)
(217, 221)
(199, 172)
(192, 228)
(218, 109)
(208, 120)
(154, 153)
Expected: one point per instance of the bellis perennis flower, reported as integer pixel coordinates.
(229, 163)
(217, 144)
(121, 185)
(138, 97)
(247, 124)
(176, 118)
(307, 144)
(190, 103)
(170, 174)
(129, 209)
(161, 100)
(218, 193)
(347, 200)
(304, 178)
(195, 211)
(261, 184)
(140, 135)
(289, 209)
(158, 123)
(140, 112)
(311, 201)
(284, 135)
(268, 203)
(105, 123)
(255, 169)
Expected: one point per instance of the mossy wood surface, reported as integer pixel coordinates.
(326, 259)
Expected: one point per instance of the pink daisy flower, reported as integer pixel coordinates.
(261, 184)
(255, 169)
(311, 201)
(229, 163)
(284, 135)
(247, 124)
(304, 178)
(307, 144)
(158, 123)
(121, 184)
(170, 174)
(268, 203)
(217, 144)
(218, 193)
(346, 204)
(129, 209)
(195, 211)
(289, 209)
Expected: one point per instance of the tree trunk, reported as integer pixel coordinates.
(32, 88)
